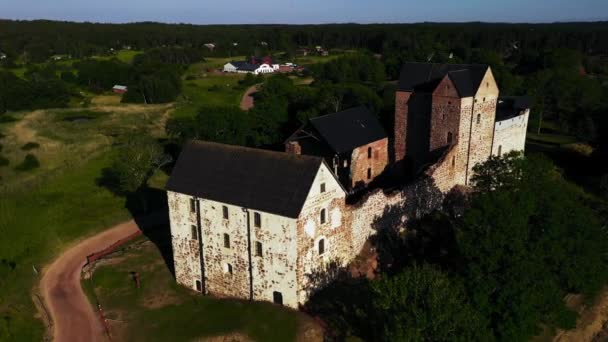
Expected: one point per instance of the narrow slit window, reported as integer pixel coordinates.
(369, 173)
(226, 240)
(322, 216)
(478, 118)
(199, 286)
(453, 161)
(225, 212)
(499, 150)
(369, 153)
(322, 187)
(321, 246)
(257, 220)
(449, 137)
(258, 249)
(194, 232)
(228, 269)
(192, 205)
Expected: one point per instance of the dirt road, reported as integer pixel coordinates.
(247, 99)
(73, 317)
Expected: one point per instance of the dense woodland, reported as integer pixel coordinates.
(496, 268)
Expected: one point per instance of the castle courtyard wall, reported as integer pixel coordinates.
(510, 134)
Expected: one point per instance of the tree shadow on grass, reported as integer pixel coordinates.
(148, 207)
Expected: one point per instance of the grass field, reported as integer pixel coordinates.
(45, 209)
(204, 85)
(163, 311)
(39, 223)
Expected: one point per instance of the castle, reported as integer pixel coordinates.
(264, 225)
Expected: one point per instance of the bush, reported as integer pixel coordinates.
(2, 135)
(7, 118)
(3, 161)
(30, 146)
(214, 88)
(29, 163)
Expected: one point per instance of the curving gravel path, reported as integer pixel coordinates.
(74, 319)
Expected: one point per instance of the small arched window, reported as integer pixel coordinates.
(449, 137)
(323, 218)
(321, 246)
(369, 152)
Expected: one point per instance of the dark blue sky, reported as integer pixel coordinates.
(305, 11)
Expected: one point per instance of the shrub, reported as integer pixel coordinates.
(30, 162)
(30, 146)
(3, 161)
(7, 118)
(214, 88)
(2, 135)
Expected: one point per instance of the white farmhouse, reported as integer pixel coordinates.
(249, 68)
(255, 224)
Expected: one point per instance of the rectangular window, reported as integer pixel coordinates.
(321, 246)
(258, 249)
(225, 212)
(192, 205)
(369, 153)
(322, 216)
(226, 240)
(322, 187)
(199, 286)
(257, 220)
(369, 173)
(194, 232)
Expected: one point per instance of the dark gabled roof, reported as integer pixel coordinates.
(244, 65)
(346, 130)
(273, 182)
(425, 77)
(511, 106)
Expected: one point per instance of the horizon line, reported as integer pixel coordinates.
(573, 21)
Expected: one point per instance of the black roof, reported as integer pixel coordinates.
(425, 77)
(511, 106)
(273, 182)
(244, 65)
(346, 130)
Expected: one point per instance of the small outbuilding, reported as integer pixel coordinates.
(119, 89)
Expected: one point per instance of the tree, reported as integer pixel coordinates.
(423, 303)
(527, 240)
(135, 161)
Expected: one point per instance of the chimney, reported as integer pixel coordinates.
(293, 147)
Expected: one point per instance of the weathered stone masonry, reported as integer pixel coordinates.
(234, 250)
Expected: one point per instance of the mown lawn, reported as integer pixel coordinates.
(163, 311)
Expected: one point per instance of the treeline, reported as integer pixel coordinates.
(36, 41)
(152, 77)
(494, 265)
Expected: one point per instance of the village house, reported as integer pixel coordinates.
(248, 68)
(264, 225)
(352, 142)
(119, 89)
